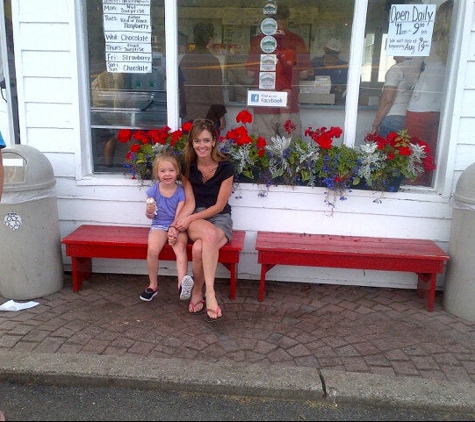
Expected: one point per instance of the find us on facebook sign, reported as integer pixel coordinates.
(267, 98)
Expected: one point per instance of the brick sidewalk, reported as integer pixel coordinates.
(347, 328)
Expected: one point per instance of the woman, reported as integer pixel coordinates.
(208, 183)
(423, 111)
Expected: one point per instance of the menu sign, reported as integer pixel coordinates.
(410, 29)
(128, 36)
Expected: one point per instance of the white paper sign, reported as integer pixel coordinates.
(128, 36)
(410, 29)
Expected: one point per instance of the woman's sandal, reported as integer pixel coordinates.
(195, 305)
(216, 312)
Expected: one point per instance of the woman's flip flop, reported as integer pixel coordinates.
(193, 306)
(217, 312)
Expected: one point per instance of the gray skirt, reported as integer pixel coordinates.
(222, 221)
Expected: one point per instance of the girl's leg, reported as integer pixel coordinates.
(184, 280)
(181, 257)
(156, 241)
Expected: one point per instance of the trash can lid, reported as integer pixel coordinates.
(26, 168)
(465, 190)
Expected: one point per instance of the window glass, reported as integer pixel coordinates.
(403, 71)
(127, 74)
(296, 50)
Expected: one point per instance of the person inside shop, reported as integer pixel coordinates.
(423, 111)
(330, 64)
(103, 88)
(208, 182)
(292, 65)
(202, 76)
(397, 92)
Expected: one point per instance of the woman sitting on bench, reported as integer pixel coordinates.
(206, 216)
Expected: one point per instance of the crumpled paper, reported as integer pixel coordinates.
(11, 305)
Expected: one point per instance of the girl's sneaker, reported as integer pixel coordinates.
(186, 287)
(148, 294)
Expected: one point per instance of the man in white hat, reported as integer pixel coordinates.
(331, 65)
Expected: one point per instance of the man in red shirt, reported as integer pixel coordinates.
(293, 64)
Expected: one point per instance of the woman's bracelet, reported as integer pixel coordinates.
(173, 227)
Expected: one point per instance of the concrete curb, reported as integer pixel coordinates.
(234, 379)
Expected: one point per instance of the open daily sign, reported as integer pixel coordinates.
(410, 29)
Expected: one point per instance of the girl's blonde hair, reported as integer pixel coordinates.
(166, 156)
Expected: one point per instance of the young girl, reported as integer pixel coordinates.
(165, 199)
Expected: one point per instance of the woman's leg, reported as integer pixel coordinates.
(208, 239)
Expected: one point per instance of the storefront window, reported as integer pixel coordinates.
(404, 71)
(126, 43)
(296, 50)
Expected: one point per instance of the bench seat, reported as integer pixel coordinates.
(420, 256)
(124, 242)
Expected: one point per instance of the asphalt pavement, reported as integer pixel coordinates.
(326, 343)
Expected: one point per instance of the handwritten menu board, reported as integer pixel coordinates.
(410, 29)
(128, 36)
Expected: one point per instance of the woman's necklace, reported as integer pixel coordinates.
(207, 172)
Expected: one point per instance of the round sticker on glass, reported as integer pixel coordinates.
(269, 26)
(268, 44)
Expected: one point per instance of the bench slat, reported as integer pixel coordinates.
(420, 256)
(123, 242)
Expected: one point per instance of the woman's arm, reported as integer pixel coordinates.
(385, 103)
(184, 220)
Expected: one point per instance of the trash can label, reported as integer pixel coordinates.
(12, 220)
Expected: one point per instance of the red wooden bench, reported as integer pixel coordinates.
(123, 242)
(422, 257)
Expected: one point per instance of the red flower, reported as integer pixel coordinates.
(240, 135)
(141, 136)
(186, 127)
(124, 135)
(135, 148)
(261, 146)
(324, 137)
(176, 137)
(289, 126)
(244, 117)
(405, 150)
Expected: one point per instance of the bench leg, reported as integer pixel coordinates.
(233, 269)
(426, 289)
(262, 285)
(82, 270)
